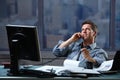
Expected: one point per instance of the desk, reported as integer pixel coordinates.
(3, 76)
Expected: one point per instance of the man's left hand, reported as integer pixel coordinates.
(87, 56)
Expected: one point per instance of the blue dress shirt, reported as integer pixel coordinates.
(72, 51)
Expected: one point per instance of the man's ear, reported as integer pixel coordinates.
(95, 33)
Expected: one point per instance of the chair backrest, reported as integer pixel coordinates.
(116, 62)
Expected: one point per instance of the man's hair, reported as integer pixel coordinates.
(93, 25)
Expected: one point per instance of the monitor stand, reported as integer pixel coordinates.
(14, 59)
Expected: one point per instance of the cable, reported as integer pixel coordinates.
(49, 61)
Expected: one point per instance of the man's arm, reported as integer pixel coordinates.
(74, 38)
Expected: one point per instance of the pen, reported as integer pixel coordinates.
(51, 70)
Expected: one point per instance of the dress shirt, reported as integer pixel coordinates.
(73, 50)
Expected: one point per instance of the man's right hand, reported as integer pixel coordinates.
(73, 38)
(76, 36)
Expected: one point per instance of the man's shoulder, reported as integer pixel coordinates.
(99, 49)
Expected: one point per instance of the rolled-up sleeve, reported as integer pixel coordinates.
(100, 56)
(60, 52)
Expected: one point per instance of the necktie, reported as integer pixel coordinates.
(87, 47)
(78, 55)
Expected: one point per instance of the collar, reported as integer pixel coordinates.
(91, 46)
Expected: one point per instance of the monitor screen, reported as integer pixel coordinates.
(23, 43)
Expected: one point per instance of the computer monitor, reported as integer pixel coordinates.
(23, 43)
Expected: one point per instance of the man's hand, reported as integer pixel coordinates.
(76, 36)
(87, 55)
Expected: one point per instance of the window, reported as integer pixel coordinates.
(64, 17)
(59, 19)
(16, 12)
(117, 25)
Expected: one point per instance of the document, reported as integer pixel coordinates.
(105, 66)
(72, 63)
(73, 66)
(58, 70)
(69, 66)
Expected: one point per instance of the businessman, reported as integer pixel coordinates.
(81, 46)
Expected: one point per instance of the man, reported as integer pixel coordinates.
(81, 46)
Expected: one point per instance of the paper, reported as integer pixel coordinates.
(71, 63)
(53, 69)
(48, 68)
(58, 70)
(105, 66)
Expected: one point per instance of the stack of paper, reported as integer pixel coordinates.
(69, 65)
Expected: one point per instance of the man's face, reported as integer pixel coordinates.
(87, 32)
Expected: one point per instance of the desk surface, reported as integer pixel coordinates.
(3, 75)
